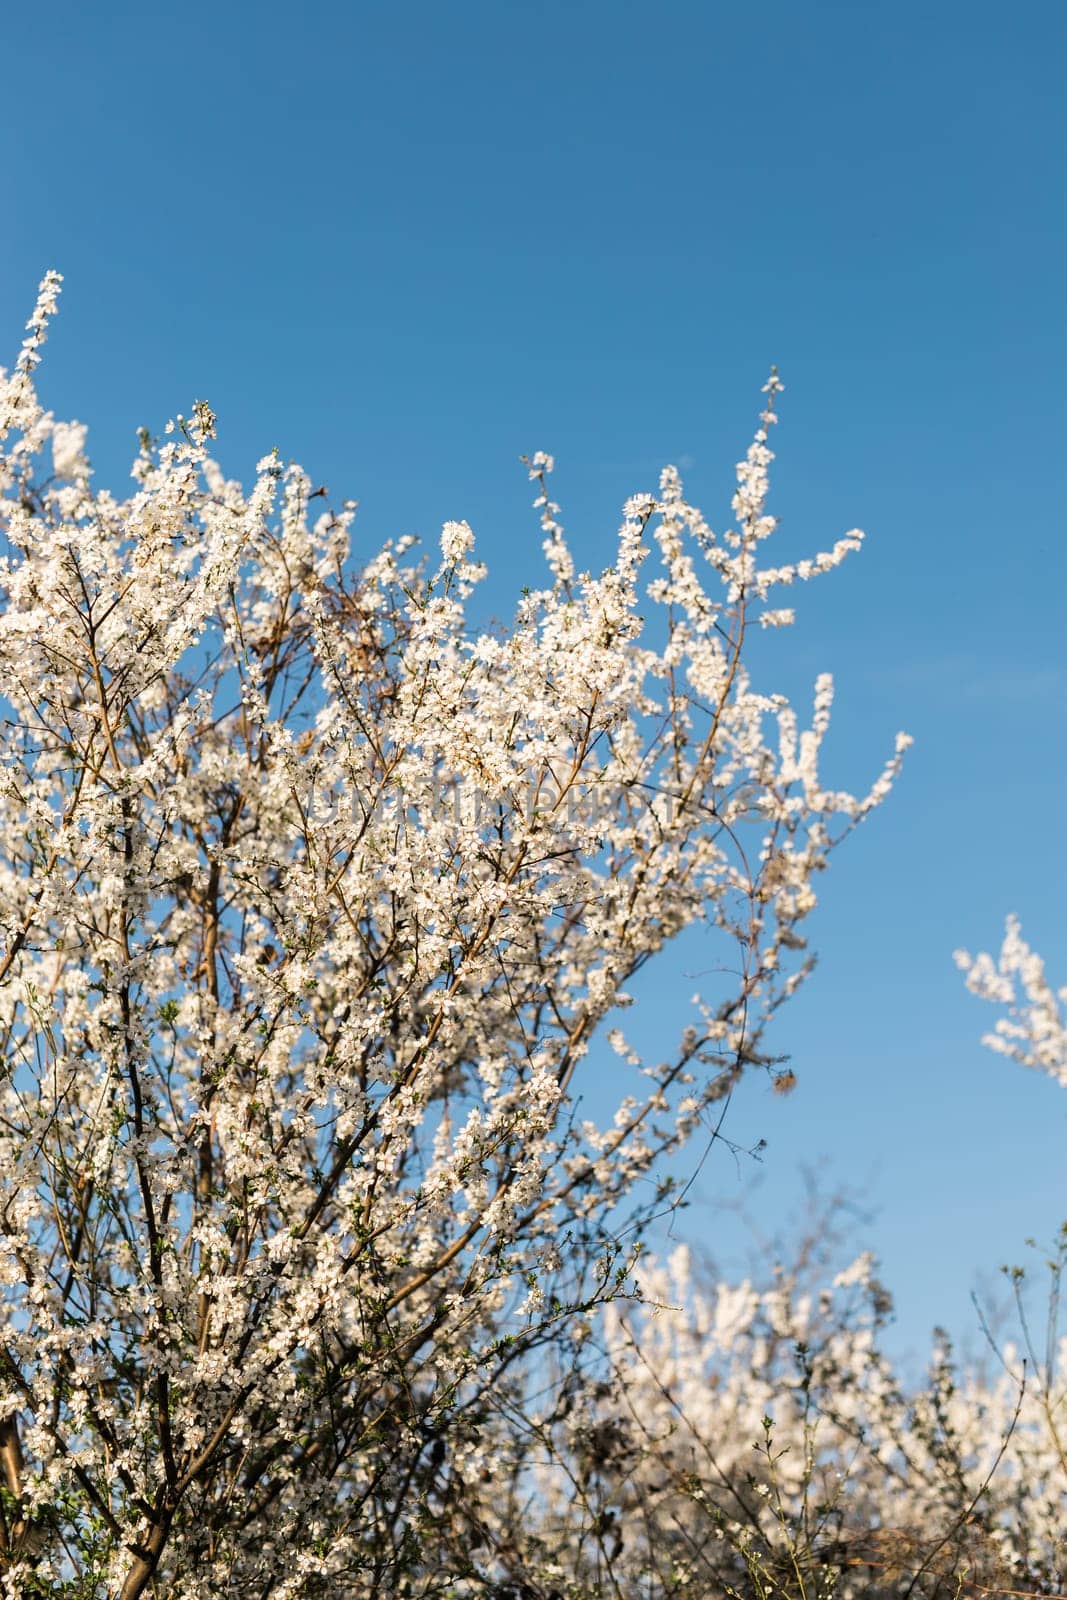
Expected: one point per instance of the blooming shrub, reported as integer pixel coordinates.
(313, 897)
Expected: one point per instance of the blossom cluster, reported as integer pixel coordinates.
(1034, 1031)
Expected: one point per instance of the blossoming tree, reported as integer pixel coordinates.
(313, 898)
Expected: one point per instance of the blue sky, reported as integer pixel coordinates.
(408, 242)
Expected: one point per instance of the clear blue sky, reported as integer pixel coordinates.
(407, 242)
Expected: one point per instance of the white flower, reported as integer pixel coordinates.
(68, 450)
(456, 541)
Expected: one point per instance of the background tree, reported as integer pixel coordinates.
(754, 1439)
